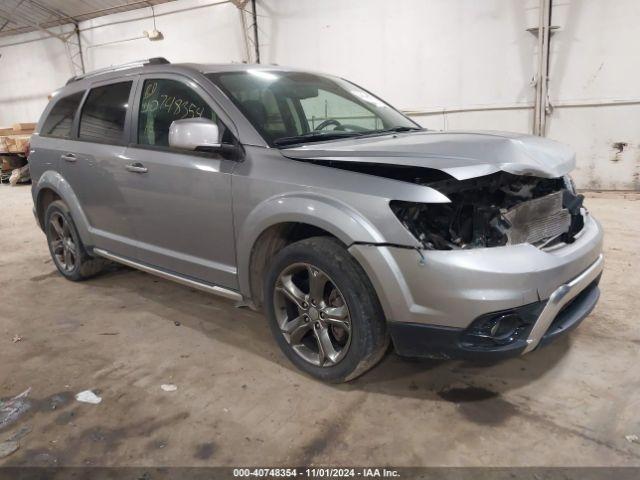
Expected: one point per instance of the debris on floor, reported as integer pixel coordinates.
(20, 433)
(58, 400)
(177, 323)
(20, 175)
(11, 409)
(87, 396)
(169, 387)
(16, 339)
(632, 438)
(8, 447)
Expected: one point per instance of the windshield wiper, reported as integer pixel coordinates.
(332, 135)
(395, 130)
(314, 137)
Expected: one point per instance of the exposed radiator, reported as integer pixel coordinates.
(538, 219)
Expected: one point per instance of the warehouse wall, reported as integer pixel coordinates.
(194, 31)
(421, 55)
(457, 64)
(30, 72)
(445, 57)
(595, 58)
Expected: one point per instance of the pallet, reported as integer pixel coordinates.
(14, 143)
(16, 138)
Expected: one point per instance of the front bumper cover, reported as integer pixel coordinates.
(563, 312)
(446, 291)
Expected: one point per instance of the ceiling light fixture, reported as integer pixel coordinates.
(155, 34)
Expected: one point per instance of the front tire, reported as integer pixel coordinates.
(323, 310)
(66, 248)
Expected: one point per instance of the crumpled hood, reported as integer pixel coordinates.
(460, 154)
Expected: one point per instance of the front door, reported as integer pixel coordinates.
(180, 201)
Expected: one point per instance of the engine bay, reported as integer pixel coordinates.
(495, 210)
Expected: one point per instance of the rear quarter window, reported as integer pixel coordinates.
(104, 113)
(59, 122)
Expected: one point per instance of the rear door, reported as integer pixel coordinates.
(180, 200)
(95, 165)
(56, 135)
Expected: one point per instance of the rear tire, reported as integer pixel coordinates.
(332, 326)
(66, 249)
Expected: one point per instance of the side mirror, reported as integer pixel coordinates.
(194, 134)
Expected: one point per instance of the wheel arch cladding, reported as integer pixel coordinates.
(282, 220)
(45, 196)
(51, 184)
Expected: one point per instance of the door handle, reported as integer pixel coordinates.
(136, 167)
(68, 157)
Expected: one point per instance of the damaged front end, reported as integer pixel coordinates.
(495, 210)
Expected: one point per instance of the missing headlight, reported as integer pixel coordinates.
(495, 210)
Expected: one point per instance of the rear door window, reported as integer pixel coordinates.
(59, 122)
(104, 113)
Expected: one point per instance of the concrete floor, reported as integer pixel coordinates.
(240, 402)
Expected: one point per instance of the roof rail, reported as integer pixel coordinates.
(116, 68)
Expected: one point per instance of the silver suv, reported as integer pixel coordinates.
(308, 197)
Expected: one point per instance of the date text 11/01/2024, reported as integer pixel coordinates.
(316, 472)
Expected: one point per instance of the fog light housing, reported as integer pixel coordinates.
(501, 329)
(497, 329)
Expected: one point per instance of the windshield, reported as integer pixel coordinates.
(296, 107)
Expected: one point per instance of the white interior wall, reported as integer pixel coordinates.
(445, 57)
(194, 30)
(595, 58)
(420, 55)
(30, 72)
(464, 64)
(206, 31)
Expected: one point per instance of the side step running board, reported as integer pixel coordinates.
(223, 292)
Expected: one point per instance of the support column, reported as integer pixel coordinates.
(542, 76)
(73, 46)
(249, 32)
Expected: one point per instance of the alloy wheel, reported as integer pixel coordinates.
(312, 314)
(63, 246)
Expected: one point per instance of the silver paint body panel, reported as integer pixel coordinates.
(452, 288)
(198, 217)
(460, 154)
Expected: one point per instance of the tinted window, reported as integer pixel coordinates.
(328, 105)
(104, 113)
(164, 101)
(283, 106)
(60, 119)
